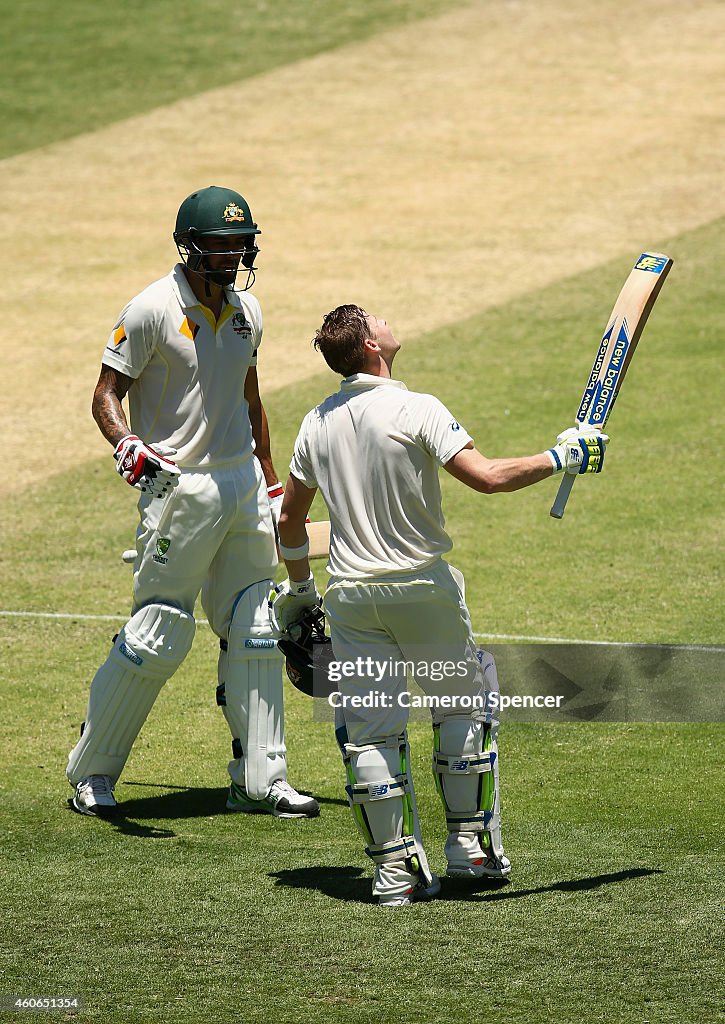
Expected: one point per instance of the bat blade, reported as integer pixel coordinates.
(624, 328)
(319, 535)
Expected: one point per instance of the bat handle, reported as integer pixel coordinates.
(562, 495)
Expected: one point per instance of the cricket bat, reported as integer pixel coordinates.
(319, 535)
(624, 328)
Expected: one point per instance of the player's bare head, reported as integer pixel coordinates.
(214, 233)
(341, 339)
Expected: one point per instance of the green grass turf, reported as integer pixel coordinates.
(179, 912)
(69, 68)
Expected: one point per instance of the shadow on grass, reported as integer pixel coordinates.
(349, 883)
(182, 802)
(189, 802)
(341, 883)
(457, 889)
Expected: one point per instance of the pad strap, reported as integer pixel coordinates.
(460, 821)
(396, 849)
(462, 764)
(365, 792)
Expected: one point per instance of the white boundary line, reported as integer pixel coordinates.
(479, 636)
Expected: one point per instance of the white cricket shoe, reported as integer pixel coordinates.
(94, 796)
(283, 801)
(395, 885)
(489, 866)
(468, 859)
(421, 892)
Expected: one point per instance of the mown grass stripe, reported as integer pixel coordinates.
(82, 617)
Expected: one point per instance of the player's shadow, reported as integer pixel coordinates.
(350, 884)
(181, 802)
(459, 889)
(341, 883)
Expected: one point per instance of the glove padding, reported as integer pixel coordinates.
(291, 600)
(148, 469)
(579, 450)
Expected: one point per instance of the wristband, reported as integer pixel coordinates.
(275, 491)
(294, 553)
(555, 460)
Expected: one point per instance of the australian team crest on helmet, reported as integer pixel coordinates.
(233, 212)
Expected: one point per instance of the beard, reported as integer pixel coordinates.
(223, 278)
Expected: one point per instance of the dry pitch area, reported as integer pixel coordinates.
(429, 173)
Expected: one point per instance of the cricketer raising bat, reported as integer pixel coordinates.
(626, 323)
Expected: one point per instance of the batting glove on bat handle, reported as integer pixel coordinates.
(144, 468)
(579, 451)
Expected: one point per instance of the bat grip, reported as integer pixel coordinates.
(562, 495)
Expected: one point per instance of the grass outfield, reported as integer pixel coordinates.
(179, 912)
(92, 62)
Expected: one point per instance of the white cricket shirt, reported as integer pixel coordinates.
(189, 370)
(374, 449)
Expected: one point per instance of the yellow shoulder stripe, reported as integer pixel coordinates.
(119, 335)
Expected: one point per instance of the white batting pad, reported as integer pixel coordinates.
(146, 653)
(381, 796)
(251, 671)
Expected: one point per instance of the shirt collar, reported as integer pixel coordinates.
(185, 293)
(365, 381)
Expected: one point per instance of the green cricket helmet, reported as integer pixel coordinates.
(215, 212)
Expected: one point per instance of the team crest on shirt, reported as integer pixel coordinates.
(233, 212)
(240, 325)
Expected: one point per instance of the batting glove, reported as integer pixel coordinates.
(148, 469)
(578, 451)
(292, 599)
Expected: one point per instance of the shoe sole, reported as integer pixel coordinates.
(274, 813)
(101, 812)
(296, 814)
(420, 896)
(477, 872)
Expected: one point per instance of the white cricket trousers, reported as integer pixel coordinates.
(213, 533)
(418, 618)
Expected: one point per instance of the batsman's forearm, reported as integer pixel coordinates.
(262, 446)
(298, 569)
(513, 474)
(293, 534)
(489, 476)
(292, 529)
(108, 413)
